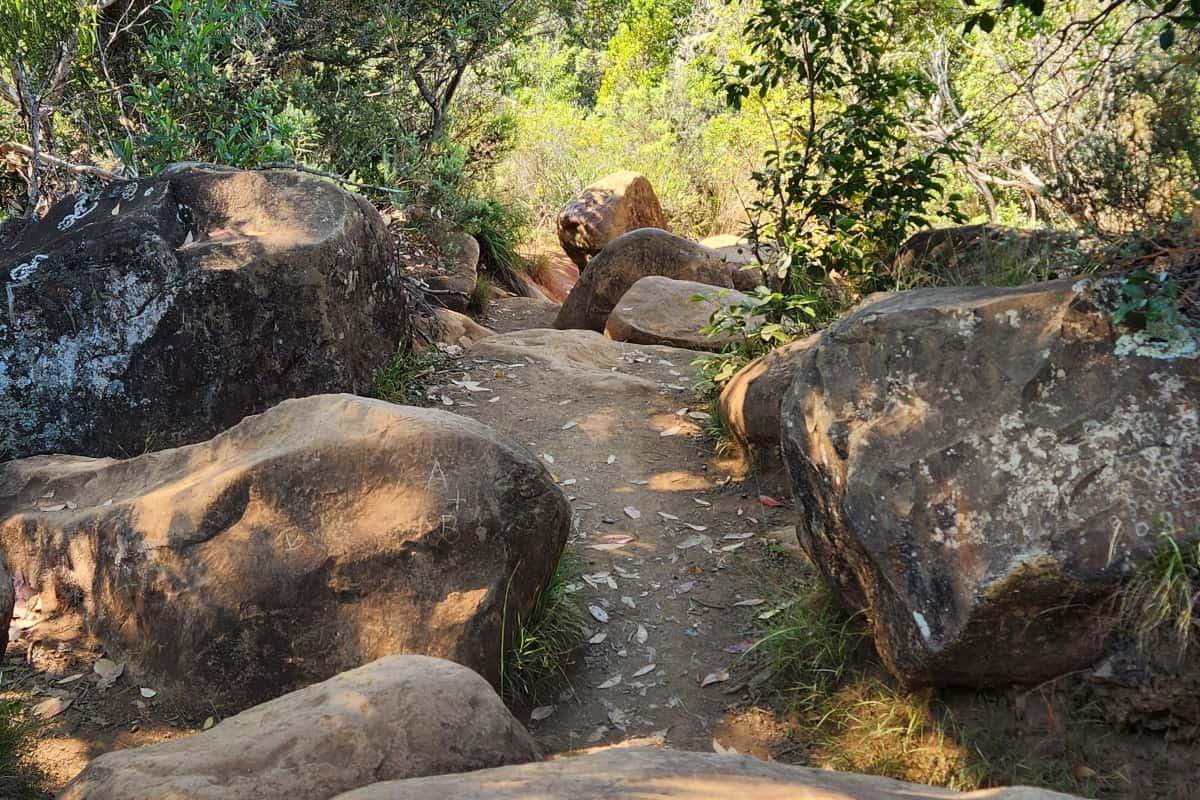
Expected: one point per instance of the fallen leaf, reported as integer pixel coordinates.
(646, 670)
(720, 676)
(670, 432)
(632, 512)
(737, 536)
(612, 459)
(729, 548)
(568, 482)
(540, 713)
(598, 638)
(720, 748)
(51, 708)
(208, 723)
(642, 634)
(549, 458)
(627, 600)
(696, 527)
(69, 679)
(610, 683)
(56, 507)
(689, 542)
(685, 587)
(147, 693)
(598, 613)
(568, 427)
(770, 502)
(700, 502)
(106, 668)
(603, 546)
(758, 601)
(667, 516)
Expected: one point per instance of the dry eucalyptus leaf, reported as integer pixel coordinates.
(720, 676)
(632, 512)
(758, 601)
(598, 638)
(51, 708)
(610, 683)
(540, 713)
(642, 634)
(598, 613)
(147, 693)
(646, 670)
(667, 516)
(700, 502)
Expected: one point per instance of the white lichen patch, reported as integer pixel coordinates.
(968, 321)
(922, 625)
(1140, 343)
(84, 204)
(23, 272)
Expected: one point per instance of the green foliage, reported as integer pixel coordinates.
(544, 642)
(766, 320)
(402, 380)
(1164, 595)
(1150, 302)
(19, 780)
(206, 90)
(642, 48)
(843, 186)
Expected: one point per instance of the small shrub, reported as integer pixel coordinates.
(403, 379)
(481, 296)
(545, 641)
(1162, 597)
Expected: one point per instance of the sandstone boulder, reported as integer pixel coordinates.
(659, 310)
(316, 537)
(164, 310)
(618, 773)
(609, 208)
(398, 717)
(453, 328)
(627, 260)
(981, 468)
(749, 403)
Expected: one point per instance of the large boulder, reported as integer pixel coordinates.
(626, 773)
(749, 403)
(630, 258)
(164, 310)
(398, 717)
(311, 539)
(659, 310)
(609, 208)
(980, 469)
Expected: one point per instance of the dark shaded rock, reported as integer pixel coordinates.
(623, 263)
(166, 309)
(980, 469)
(316, 537)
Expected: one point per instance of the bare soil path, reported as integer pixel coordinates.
(672, 544)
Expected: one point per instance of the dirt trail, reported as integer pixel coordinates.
(673, 545)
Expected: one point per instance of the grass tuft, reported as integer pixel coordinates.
(545, 642)
(19, 779)
(402, 380)
(1161, 598)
